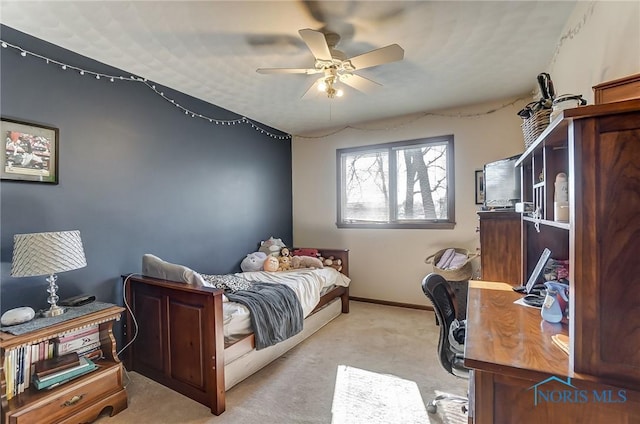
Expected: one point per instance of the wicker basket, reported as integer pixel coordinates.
(459, 274)
(534, 126)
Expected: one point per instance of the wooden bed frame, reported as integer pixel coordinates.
(180, 340)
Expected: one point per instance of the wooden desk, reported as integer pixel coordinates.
(509, 348)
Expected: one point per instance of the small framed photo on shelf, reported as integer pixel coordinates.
(29, 152)
(479, 187)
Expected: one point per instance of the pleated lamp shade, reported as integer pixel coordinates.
(47, 253)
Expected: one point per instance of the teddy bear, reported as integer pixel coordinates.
(332, 262)
(271, 264)
(284, 263)
(272, 246)
(253, 262)
(298, 262)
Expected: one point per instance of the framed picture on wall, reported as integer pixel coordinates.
(479, 187)
(29, 152)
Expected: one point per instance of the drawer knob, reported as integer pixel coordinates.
(73, 400)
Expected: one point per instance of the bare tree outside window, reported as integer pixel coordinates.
(397, 185)
(422, 182)
(366, 184)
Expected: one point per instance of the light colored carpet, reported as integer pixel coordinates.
(365, 397)
(375, 342)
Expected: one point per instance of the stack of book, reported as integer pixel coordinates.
(85, 341)
(55, 371)
(20, 362)
(17, 368)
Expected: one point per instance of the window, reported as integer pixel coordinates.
(408, 184)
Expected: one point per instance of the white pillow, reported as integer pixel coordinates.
(155, 267)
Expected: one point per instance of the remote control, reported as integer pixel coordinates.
(80, 300)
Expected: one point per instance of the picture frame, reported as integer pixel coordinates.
(29, 152)
(479, 187)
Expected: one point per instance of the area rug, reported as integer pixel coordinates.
(362, 396)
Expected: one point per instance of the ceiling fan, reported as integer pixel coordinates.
(335, 66)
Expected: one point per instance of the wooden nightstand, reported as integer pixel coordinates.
(80, 400)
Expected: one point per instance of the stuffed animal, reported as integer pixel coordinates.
(271, 247)
(305, 262)
(332, 262)
(271, 264)
(304, 251)
(284, 263)
(285, 252)
(253, 262)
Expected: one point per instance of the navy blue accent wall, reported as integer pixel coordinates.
(136, 175)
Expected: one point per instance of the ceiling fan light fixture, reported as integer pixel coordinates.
(335, 65)
(332, 92)
(326, 85)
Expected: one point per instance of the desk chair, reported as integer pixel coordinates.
(450, 352)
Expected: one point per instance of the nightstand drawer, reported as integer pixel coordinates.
(71, 397)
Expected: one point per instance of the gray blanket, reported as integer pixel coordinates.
(276, 313)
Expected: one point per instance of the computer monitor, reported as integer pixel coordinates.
(538, 270)
(502, 183)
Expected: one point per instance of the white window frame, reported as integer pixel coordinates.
(393, 222)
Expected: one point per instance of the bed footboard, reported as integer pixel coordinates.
(180, 341)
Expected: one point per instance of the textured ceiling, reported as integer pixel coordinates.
(456, 52)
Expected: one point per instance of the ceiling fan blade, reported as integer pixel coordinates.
(359, 83)
(379, 56)
(317, 43)
(287, 71)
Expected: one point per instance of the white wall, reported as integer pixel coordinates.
(389, 264)
(601, 42)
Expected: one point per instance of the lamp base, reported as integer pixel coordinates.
(53, 311)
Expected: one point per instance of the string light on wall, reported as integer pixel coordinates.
(415, 118)
(112, 78)
(571, 33)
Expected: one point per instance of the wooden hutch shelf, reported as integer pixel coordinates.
(509, 346)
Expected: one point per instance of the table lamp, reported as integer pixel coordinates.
(47, 254)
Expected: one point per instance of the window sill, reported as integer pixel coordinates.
(400, 226)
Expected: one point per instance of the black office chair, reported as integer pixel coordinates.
(451, 341)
